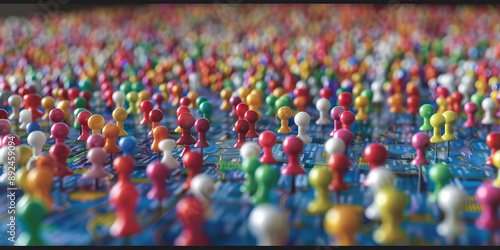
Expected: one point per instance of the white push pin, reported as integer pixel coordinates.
(6, 158)
(96, 156)
(335, 146)
(377, 179)
(488, 106)
(451, 201)
(97, 96)
(167, 146)
(202, 186)
(249, 149)
(119, 98)
(15, 102)
(36, 140)
(378, 94)
(466, 88)
(323, 105)
(302, 119)
(269, 225)
(24, 118)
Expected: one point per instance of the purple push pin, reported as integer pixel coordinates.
(346, 136)
(6, 139)
(234, 101)
(96, 140)
(335, 114)
(489, 197)
(4, 128)
(420, 141)
(158, 100)
(59, 131)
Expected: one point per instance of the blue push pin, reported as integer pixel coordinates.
(33, 126)
(127, 144)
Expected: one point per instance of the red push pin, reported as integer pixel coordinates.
(241, 109)
(339, 164)
(83, 119)
(146, 107)
(155, 116)
(375, 154)
(193, 161)
(413, 104)
(59, 131)
(32, 102)
(241, 127)
(345, 100)
(442, 92)
(252, 117)
(326, 93)
(73, 93)
(347, 118)
(457, 102)
(412, 90)
(158, 99)
(293, 146)
(86, 95)
(158, 173)
(60, 152)
(234, 101)
(3, 114)
(267, 139)
(186, 121)
(493, 142)
(185, 101)
(202, 125)
(191, 212)
(62, 94)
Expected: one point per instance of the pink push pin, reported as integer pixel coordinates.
(293, 146)
(185, 101)
(158, 99)
(96, 141)
(158, 173)
(202, 125)
(335, 114)
(59, 131)
(489, 197)
(267, 139)
(346, 136)
(234, 101)
(56, 115)
(4, 128)
(6, 139)
(420, 141)
(470, 109)
(83, 119)
(347, 118)
(252, 117)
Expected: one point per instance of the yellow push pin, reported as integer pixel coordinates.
(164, 91)
(25, 154)
(253, 101)
(132, 102)
(120, 115)
(39, 181)
(451, 118)
(142, 96)
(361, 102)
(55, 93)
(342, 222)
(96, 123)
(243, 92)
(391, 204)
(284, 113)
(192, 96)
(437, 122)
(442, 104)
(261, 95)
(48, 104)
(278, 92)
(225, 95)
(319, 178)
(64, 106)
(496, 162)
(357, 89)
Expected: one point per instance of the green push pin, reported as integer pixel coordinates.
(319, 178)
(426, 111)
(31, 212)
(79, 102)
(228, 84)
(368, 94)
(126, 87)
(137, 87)
(249, 166)
(85, 85)
(440, 175)
(76, 124)
(261, 85)
(283, 101)
(478, 100)
(206, 110)
(266, 177)
(199, 101)
(271, 103)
